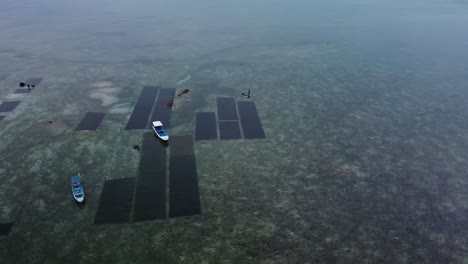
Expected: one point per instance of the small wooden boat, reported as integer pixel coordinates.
(77, 189)
(159, 130)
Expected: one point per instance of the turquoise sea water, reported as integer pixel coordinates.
(364, 106)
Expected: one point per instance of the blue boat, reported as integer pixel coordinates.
(159, 130)
(77, 189)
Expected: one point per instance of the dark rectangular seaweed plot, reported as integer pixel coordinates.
(184, 198)
(142, 109)
(229, 130)
(184, 195)
(5, 228)
(206, 126)
(251, 125)
(9, 106)
(33, 81)
(21, 91)
(90, 121)
(163, 108)
(167, 93)
(150, 196)
(226, 108)
(116, 201)
(181, 145)
(161, 113)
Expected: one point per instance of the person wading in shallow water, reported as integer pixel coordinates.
(246, 95)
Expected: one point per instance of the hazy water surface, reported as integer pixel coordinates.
(364, 105)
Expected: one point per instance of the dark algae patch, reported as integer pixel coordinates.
(142, 110)
(205, 128)
(9, 106)
(229, 130)
(90, 121)
(116, 201)
(151, 188)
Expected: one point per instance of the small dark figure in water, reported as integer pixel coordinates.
(136, 147)
(50, 121)
(246, 95)
(32, 85)
(21, 84)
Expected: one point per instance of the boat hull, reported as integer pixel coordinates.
(80, 200)
(77, 189)
(163, 138)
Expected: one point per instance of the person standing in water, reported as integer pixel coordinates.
(246, 95)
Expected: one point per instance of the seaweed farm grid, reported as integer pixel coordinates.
(167, 184)
(149, 197)
(230, 126)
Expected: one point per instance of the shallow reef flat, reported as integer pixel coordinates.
(363, 158)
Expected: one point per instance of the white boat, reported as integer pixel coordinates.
(77, 189)
(159, 130)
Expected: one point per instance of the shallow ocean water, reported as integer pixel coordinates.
(364, 106)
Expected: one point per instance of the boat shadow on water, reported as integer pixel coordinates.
(162, 142)
(81, 205)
